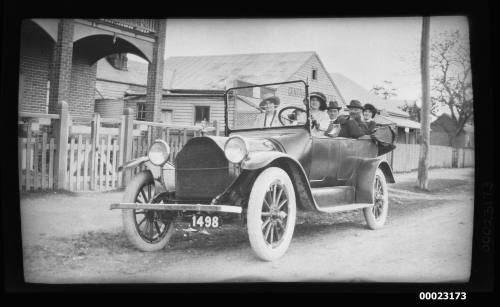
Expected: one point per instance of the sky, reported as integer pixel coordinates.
(366, 50)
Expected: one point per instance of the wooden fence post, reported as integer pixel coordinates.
(62, 145)
(128, 139)
(94, 142)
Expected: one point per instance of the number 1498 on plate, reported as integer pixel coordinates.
(207, 221)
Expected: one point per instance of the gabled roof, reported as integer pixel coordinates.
(212, 72)
(445, 123)
(350, 90)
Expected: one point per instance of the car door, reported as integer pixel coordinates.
(324, 162)
(351, 152)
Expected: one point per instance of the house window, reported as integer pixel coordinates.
(201, 113)
(314, 74)
(141, 111)
(166, 116)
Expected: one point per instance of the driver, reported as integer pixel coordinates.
(269, 116)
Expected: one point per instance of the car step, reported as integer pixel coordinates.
(328, 196)
(343, 207)
(336, 199)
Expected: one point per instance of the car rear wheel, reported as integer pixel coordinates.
(376, 215)
(271, 214)
(147, 230)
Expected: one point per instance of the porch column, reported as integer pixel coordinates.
(154, 89)
(60, 67)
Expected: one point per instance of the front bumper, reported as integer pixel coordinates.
(179, 207)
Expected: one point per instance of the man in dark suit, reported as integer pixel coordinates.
(333, 110)
(352, 126)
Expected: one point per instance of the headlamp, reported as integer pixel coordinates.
(159, 152)
(236, 149)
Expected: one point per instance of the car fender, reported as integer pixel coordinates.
(159, 173)
(133, 163)
(364, 176)
(258, 160)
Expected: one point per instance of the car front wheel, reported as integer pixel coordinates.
(147, 230)
(271, 214)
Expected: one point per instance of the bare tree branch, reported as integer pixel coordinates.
(452, 82)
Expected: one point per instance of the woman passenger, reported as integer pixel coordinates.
(369, 112)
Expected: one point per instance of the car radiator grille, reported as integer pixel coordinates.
(202, 170)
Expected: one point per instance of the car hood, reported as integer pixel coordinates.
(294, 141)
(254, 143)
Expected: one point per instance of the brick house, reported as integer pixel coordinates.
(193, 86)
(58, 60)
(407, 129)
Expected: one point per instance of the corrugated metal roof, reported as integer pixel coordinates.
(212, 72)
(351, 90)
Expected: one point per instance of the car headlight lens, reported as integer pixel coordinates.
(158, 152)
(235, 149)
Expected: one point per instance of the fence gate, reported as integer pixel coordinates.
(94, 149)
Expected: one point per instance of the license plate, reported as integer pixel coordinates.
(206, 221)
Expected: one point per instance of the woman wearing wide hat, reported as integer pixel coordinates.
(269, 116)
(369, 112)
(317, 110)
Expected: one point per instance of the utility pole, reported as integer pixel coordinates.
(423, 161)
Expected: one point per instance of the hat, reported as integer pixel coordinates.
(322, 99)
(355, 104)
(269, 97)
(371, 108)
(333, 105)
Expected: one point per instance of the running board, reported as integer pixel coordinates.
(178, 207)
(341, 208)
(333, 196)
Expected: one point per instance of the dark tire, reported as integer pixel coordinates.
(147, 230)
(271, 214)
(376, 215)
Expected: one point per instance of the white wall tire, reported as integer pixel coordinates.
(271, 214)
(144, 229)
(376, 215)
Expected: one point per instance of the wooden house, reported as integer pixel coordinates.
(193, 86)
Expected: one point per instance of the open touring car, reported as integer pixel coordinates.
(260, 175)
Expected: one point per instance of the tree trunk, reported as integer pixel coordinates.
(423, 162)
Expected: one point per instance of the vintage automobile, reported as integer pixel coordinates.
(259, 176)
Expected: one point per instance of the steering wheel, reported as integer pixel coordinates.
(289, 118)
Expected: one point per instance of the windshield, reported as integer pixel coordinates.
(266, 106)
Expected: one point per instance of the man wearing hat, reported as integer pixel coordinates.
(268, 117)
(333, 110)
(369, 112)
(353, 126)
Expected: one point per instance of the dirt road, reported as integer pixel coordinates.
(75, 238)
